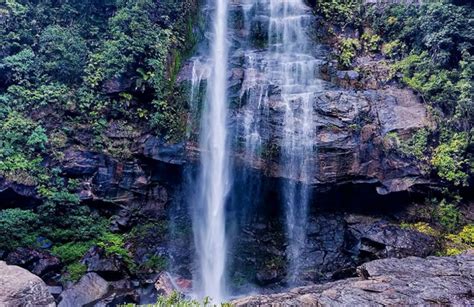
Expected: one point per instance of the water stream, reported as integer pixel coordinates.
(209, 222)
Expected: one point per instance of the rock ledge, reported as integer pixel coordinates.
(408, 281)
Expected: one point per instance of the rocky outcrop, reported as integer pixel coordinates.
(91, 287)
(336, 244)
(38, 262)
(351, 144)
(352, 115)
(109, 267)
(18, 287)
(409, 281)
(378, 239)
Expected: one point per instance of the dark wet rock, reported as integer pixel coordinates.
(157, 149)
(351, 138)
(18, 287)
(117, 85)
(81, 163)
(108, 267)
(89, 288)
(166, 284)
(12, 193)
(38, 262)
(409, 281)
(335, 245)
(266, 276)
(380, 239)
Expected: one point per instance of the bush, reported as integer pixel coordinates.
(448, 216)
(17, 228)
(114, 245)
(339, 11)
(460, 242)
(449, 159)
(371, 42)
(75, 271)
(72, 251)
(348, 48)
(417, 145)
(421, 227)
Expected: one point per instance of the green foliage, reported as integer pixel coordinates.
(448, 216)
(155, 263)
(460, 242)
(114, 245)
(17, 228)
(417, 145)
(393, 49)
(65, 222)
(348, 48)
(175, 299)
(371, 42)
(449, 160)
(21, 142)
(62, 53)
(422, 227)
(72, 251)
(75, 271)
(339, 11)
(19, 67)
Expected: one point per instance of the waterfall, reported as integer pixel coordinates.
(283, 73)
(209, 218)
(297, 69)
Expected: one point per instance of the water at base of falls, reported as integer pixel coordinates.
(213, 181)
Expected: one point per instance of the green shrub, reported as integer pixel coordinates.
(417, 145)
(449, 161)
(460, 242)
(422, 227)
(371, 42)
(17, 228)
(394, 49)
(75, 271)
(155, 263)
(114, 245)
(448, 216)
(339, 11)
(348, 48)
(177, 300)
(72, 251)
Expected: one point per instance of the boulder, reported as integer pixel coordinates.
(37, 262)
(108, 267)
(410, 281)
(166, 284)
(89, 288)
(157, 149)
(380, 239)
(18, 287)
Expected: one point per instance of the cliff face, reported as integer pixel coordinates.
(361, 178)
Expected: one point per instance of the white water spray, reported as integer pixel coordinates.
(209, 222)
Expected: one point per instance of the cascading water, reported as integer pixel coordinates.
(289, 41)
(282, 76)
(209, 219)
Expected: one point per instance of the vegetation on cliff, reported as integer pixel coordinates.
(69, 71)
(429, 48)
(93, 75)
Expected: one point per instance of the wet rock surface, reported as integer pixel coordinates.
(336, 244)
(408, 281)
(38, 262)
(89, 288)
(18, 287)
